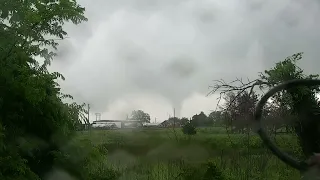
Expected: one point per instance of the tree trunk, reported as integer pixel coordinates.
(308, 134)
(308, 123)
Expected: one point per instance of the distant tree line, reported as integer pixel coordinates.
(294, 110)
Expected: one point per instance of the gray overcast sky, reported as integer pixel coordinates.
(158, 54)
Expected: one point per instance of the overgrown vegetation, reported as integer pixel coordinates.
(189, 129)
(211, 153)
(226, 136)
(37, 127)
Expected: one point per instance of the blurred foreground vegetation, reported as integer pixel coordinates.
(160, 154)
(38, 122)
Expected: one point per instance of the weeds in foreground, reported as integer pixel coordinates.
(152, 155)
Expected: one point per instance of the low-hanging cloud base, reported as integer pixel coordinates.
(159, 55)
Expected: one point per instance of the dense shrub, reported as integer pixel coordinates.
(206, 171)
(189, 129)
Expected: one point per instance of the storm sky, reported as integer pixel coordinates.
(157, 55)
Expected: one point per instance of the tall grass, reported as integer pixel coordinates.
(156, 155)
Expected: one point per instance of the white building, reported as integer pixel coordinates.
(151, 124)
(109, 125)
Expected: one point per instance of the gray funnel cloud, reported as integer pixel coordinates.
(170, 50)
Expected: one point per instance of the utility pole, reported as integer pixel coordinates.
(88, 114)
(174, 117)
(87, 125)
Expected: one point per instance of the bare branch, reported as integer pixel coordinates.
(237, 86)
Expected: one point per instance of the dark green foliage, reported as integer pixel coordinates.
(213, 172)
(189, 129)
(85, 161)
(36, 127)
(301, 102)
(206, 171)
(140, 115)
(200, 119)
(217, 118)
(298, 107)
(184, 121)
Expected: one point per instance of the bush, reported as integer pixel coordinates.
(206, 171)
(213, 172)
(84, 160)
(189, 129)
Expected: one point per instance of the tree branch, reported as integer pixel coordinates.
(237, 86)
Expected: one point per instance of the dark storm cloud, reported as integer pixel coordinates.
(175, 48)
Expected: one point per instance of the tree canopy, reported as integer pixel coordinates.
(300, 103)
(140, 115)
(36, 125)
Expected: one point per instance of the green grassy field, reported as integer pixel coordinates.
(164, 154)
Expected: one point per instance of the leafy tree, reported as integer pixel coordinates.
(35, 123)
(217, 118)
(184, 121)
(140, 115)
(227, 109)
(26, 26)
(300, 102)
(277, 115)
(200, 119)
(238, 110)
(80, 114)
(174, 120)
(242, 110)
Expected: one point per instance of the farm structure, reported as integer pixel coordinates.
(116, 124)
(168, 123)
(152, 125)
